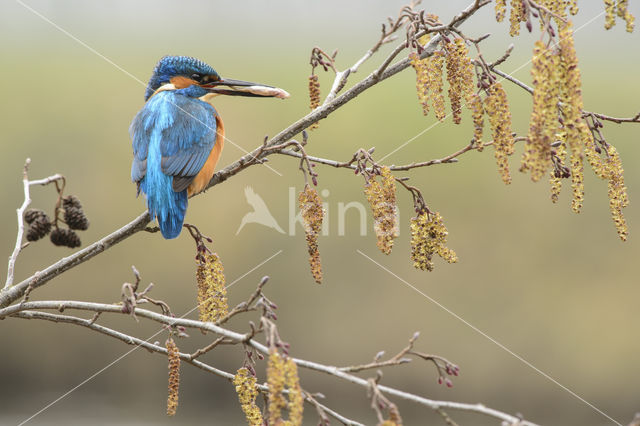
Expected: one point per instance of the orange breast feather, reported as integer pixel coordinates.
(206, 173)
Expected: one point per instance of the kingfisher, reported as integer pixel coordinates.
(178, 135)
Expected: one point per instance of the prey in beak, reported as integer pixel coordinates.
(226, 86)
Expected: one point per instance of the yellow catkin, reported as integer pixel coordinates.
(429, 237)
(174, 376)
(517, 16)
(296, 398)
(276, 382)
(212, 292)
(394, 415)
(382, 199)
(501, 8)
(544, 116)
(429, 84)
(434, 65)
(453, 79)
(314, 96)
(459, 76)
(477, 112)
(620, 8)
(617, 191)
(624, 13)
(422, 80)
(573, 6)
(571, 96)
(610, 17)
(247, 391)
(559, 9)
(497, 108)
(312, 214)
(610, 168)
(596, 162)
(556, 181)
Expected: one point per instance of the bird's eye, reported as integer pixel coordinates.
(196, 76)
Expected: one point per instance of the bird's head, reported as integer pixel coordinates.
(181, 72)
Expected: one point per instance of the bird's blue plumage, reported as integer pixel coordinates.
(172, 138)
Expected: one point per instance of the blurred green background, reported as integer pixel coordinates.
(554, 287)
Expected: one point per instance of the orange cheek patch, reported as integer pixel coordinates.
(181, 82)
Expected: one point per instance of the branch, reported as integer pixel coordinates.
(19, 311)
(11, 294)
(130, 340)
(326, 109)
(451, 158)
(40, 278)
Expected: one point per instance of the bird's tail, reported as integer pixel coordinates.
(164, 204)
(167, 206)
(171, 220)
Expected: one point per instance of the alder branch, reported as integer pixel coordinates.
(451, 158)
(11, 294)
(30, 310)
(153, 348)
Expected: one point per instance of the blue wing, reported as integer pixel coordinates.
(188, 128)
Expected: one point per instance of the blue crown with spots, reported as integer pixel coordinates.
(171, 66)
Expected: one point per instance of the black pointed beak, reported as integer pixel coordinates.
(227, 86)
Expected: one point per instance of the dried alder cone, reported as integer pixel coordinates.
(174, 376)
(429, 237)
(282, 373)
(247, 391)
(312, 214)
(74, 216)
(212, 292)
(65, 237)
(382, 199)
(39, 224)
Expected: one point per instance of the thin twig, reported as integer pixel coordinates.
(397, 359)
(451, 158)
